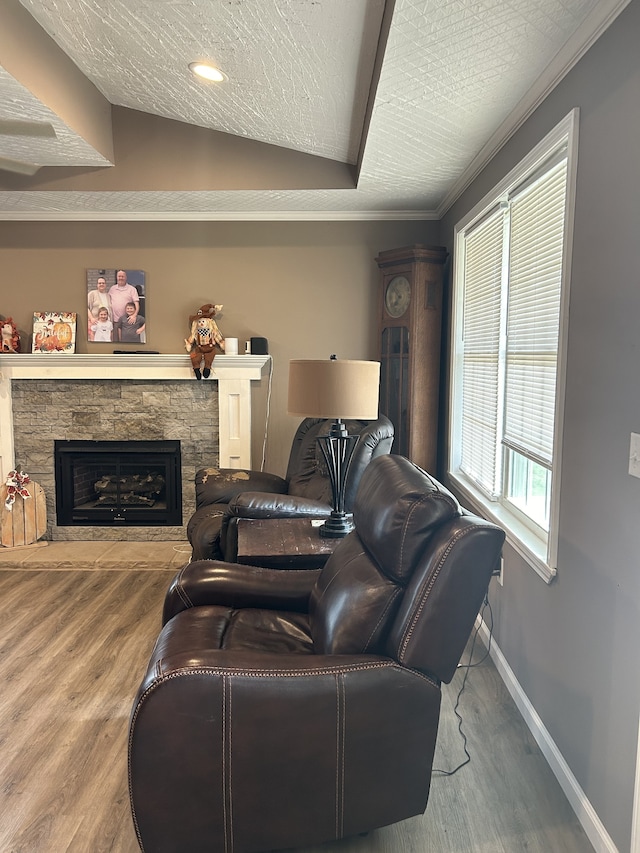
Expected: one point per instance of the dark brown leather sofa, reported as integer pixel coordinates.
(287, 708)
(223, 495)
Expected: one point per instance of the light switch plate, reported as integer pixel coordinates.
(634, 455)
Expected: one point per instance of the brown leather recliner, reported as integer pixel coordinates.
(223, 495)
(288, 708)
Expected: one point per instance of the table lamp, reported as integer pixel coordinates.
(342, 390)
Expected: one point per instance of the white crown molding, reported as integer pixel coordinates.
(220, 216)
(603, 15)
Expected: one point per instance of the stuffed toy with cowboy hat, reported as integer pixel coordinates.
(205, 337)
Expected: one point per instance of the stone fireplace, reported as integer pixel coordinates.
(44, 399)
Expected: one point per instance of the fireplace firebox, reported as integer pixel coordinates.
(127, 483)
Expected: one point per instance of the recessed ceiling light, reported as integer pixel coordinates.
(208, 72)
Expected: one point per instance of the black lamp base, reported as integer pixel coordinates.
(337, 449)
(338, 524)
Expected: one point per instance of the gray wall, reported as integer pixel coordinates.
(573, 645)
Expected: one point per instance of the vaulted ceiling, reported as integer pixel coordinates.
(329, 108)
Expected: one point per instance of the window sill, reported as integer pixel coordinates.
(531, 548)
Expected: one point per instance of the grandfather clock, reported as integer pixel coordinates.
(410, 332)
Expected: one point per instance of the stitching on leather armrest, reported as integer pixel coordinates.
(180, 590)
(430, 584)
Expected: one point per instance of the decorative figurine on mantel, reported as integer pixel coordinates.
(204, 338)
(10, 336)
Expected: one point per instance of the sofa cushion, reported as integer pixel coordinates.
(398, 508)
(311, 478)
(268, 631)
(352, 603)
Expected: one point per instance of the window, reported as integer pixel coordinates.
(510, 295)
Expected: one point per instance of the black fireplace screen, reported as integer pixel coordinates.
(118, 482)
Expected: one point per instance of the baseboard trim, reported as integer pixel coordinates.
(585, 812)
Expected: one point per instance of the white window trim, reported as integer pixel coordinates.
(541, 553)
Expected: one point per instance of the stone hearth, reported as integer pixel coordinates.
(113, 397)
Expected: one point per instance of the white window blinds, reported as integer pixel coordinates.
(512, 274)
(536, 235)
(510, 302)
(481, 408)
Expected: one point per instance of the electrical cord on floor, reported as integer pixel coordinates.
(468, 666)
(486, 604)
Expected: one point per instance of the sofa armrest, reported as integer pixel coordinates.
(203, 532)
(292, 741)
(221, 485)
(263, 505)
(206, 582)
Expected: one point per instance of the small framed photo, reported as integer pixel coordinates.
(116, 310)
(54, 331)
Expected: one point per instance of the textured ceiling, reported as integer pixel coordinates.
(446, 82)
(298, 72)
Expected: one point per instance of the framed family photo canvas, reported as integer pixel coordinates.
(54, 331)
(116, 306)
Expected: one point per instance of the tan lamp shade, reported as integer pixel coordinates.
(334, 388)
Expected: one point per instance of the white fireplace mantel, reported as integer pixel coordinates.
(233, 373)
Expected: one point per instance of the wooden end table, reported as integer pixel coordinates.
(282, 543)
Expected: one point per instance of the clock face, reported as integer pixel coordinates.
(397, 296)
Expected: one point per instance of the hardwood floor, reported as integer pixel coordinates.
(73, 648)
